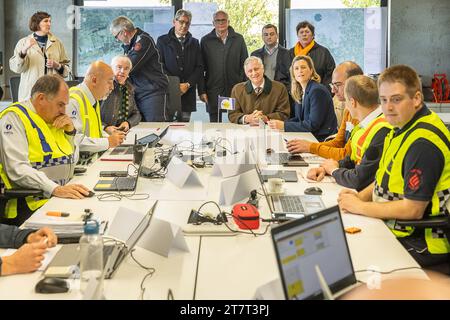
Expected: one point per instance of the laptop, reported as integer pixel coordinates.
(286, 175)
(151, 140)
(118, 184)
(286, 159)
(113, 255)
(291, 206)
(312, 249)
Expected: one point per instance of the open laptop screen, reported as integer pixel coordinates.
(300, 245)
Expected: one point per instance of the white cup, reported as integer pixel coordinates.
(276, 185)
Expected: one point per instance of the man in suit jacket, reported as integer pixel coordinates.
(224, 52)
(181, 57)
(259, 97)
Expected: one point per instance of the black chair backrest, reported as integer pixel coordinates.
(14, 88)
(174, 99)
(72, 83)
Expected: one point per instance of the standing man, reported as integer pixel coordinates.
(307, 46)
(147, 74)
(181, 56)
(37, 149)
(276, 58)
(84, 109)
(224, 52)
(413, 178)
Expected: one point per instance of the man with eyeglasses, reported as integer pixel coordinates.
(413, 178)
(224, 52)
(339, 147)
(181, 57)
(147, 74)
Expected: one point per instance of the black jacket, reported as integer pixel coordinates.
(284, 61)
(147, 75)
(186, 64)
(323, 62)
(224, 65)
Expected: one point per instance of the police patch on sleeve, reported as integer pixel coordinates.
(414, 179)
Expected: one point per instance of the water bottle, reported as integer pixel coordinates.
(91, 255)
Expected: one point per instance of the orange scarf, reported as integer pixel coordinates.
(300, 51)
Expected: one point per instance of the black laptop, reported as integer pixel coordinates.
(128, 183)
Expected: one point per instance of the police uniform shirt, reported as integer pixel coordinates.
(422, 166)
(85, 143)
(14, 154)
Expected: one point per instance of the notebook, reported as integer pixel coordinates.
(313, 256)
(113, 254)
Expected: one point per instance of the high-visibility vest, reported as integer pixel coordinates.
(49, 151)
(389, 182)
(91, 118)
(362, 137)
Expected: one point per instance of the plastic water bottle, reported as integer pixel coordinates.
(91, 255)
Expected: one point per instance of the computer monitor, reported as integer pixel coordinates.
(315, 240)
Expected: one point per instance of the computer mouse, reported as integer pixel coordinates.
(91, 194)
(270, 151)
(51, 285)
(313, 191)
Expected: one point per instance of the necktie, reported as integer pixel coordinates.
(258, 91)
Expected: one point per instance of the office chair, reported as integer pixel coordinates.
(14, 88)
(439, 222)
(174, 99)
(20, 195)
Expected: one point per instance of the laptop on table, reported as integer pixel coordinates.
(291, 206)
(118, 184)
(113, 254)
(151, 140)
(304, 246)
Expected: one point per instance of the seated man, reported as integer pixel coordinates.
(339, 147)
(259, 97)
(84, 109)
(119, 110)
(357, 171)
(37, 149)
(413, 179)
(32, 246)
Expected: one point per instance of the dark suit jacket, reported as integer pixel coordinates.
(186, 64)
(224, 65)
(315, 114)
(284, 61)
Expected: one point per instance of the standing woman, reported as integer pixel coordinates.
(38, 54)
(314, 110)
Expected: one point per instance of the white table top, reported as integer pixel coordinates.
(228, 267)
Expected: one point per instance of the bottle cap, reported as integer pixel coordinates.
(91, 227)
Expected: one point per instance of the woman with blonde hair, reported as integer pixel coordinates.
(314, 110)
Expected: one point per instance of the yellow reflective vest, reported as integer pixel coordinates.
(91, 118)
(362, 137)
(49, 150)
(389, 174)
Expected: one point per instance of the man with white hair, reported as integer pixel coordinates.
(259, 97)
(119, 110)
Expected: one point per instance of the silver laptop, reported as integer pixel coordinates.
(113, 255)
(312, 250)
(291, 206)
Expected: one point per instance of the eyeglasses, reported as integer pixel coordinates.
(184, 22)
(220, 20)
(117, 35)
(335, 85)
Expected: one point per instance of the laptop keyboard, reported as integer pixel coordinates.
(283, 157)
(121, 150)
(291, 204)
(127, 183)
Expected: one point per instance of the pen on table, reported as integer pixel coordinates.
(58, 214)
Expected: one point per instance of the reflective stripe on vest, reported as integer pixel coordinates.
(48, 151)
(91, 118)
(362, 138)
(389, 182)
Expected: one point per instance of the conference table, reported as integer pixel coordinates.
(229, 266)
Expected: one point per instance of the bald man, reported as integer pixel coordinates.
(84, 109)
